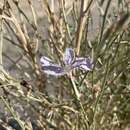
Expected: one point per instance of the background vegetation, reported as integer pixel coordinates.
(96, 100)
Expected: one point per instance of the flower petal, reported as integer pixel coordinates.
(83, 63)
(46, 61)
(69, 56)
(55, 70)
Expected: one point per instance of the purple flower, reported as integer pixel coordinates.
(71, 62)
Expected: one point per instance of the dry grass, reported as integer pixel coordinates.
(96, 100)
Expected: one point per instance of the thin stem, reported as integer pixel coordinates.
(104, 19)
(101, 40)
(81, 24)
(101, 93)
(33, 13)
(80, 103)
(66, 23)
(1, 38)
(85, 5)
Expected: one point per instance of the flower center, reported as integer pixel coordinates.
(67, 68)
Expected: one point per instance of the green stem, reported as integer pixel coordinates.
(80, 103)
(101, 93)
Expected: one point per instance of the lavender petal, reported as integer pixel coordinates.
(69, 56)
(45, 61)
(55, 70)
(82, 63)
